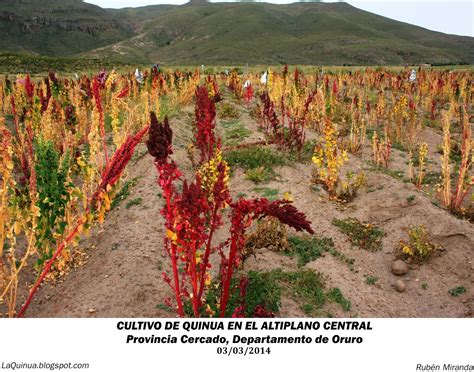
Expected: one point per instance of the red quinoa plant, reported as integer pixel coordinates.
(248, 94)
(192, 217)
(269, 120)
(292, 135)
(205, 122)
(97, 86)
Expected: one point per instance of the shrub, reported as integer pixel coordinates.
(308, 249)
(419, 247)
(364, 235)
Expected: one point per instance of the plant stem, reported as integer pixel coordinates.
(174, 261)
(229, 272)
(207, 252)
(47, 268)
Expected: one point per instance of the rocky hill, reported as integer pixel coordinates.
(224, 33)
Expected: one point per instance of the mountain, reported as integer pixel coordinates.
(135, 16)
(225, 33)
(58, 27)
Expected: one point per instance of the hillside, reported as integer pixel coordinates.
(302, 33)
(57, 28)
(226, 33)
(136, 16)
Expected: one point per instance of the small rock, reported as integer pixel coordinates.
(92, 311)
(399, 267)
(400, 286)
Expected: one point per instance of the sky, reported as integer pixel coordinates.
(451, 17)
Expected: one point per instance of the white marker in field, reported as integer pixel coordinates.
(412, 75)
(247, 83)
(138, 76)
(264, 77)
